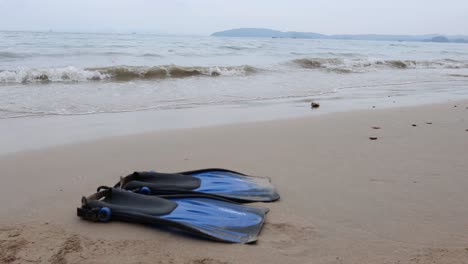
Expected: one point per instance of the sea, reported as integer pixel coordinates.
(186, 81)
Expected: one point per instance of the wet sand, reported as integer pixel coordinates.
(401, 198)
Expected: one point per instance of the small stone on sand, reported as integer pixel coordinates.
(314, 105)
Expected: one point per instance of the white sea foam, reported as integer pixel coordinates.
(129, 73)
(118, 73)
(66, 74)
(345, 65)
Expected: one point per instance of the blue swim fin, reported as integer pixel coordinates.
(222, 183)
(211, 218)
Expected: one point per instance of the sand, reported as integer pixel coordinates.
(401, 198)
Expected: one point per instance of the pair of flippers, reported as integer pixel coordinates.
(204, 202)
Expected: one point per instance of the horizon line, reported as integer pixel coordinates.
(130, 32)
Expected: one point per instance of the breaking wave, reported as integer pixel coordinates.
(341, 65)
(49, 75)
(130, 73)
(171, 71)
(118, 73)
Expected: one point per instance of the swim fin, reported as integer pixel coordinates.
(212, 218)
(222, 183)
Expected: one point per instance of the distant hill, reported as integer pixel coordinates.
(265, 33)
(441, 39)
(270, 33)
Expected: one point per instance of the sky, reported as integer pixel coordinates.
(203, 17)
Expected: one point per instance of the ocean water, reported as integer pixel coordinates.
(50, 74)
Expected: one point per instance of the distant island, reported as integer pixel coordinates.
(270, 33)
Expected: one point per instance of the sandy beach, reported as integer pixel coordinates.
(357, 111)
(345, 198)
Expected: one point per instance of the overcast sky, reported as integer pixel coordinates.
(202, 17)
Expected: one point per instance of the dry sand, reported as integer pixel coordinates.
(402, 198)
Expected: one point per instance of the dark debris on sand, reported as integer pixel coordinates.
(314, 105)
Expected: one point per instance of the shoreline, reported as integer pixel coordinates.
(345, 198)
(35, 131)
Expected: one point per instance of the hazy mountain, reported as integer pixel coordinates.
(265, 33)
(250, 32)
(441, 39)
(270, 33)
